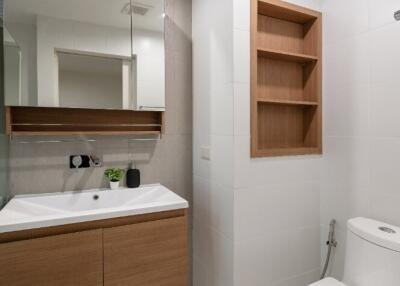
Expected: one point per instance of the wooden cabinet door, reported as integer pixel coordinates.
(74, 259)
(146, 254)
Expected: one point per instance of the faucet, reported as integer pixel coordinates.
(84, 161)
(95, 161)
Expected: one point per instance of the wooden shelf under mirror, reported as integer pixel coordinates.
(286, 72)
(43, 121)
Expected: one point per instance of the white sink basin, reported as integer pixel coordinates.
(34, 211)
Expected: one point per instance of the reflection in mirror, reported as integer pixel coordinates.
(148, 50)
(12, 69)
(60, 39)
(92, 81)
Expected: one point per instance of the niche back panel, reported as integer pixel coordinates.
(286, 79)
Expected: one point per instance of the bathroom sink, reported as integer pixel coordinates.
(34, 211)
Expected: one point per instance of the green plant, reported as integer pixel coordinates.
(114, 175)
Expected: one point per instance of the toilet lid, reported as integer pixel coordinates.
(328, 282)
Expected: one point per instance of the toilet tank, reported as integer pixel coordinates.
(372, 253)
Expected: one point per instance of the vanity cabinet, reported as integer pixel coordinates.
(62, 260)
(146, 253)
(149, 249)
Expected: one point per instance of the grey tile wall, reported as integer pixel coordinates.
(43, 168)
(3, 169)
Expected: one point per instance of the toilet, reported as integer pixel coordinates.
(372, 255)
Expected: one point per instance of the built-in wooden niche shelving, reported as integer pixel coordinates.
(44, 121)
(286, 79)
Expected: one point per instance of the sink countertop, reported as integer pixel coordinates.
(45, 210)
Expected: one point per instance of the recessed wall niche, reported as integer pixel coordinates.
(286, 72)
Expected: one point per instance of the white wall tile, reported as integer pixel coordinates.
(347, 62)
(341, 202)
(241, 56)
(386, 208)
(213, 206)
(275, 207)
(353, 103)
(201, 200)
(381, 12)
(222, 161)
(344, 18)
(213, 128)
(241, 109)
(201, 167)
(385, 116)
(215, 252)
(241, 15)
(260, 172)
(222, 209)
(221, 105)
(385, 156)
(346, 159)
(384, 54)
(277, 256)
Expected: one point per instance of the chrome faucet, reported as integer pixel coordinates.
(95, 161)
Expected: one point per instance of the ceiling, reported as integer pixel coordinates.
(100, 12)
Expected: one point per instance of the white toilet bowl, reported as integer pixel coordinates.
(328, 282)
(372, 255)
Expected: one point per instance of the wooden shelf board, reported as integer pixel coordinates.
(287, 102)
(75, 133)
(286, 56)
(286, 11)
(290, 151)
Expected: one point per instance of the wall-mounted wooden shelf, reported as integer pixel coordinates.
(48, 121)
(286, 79)
(78, 133)
(288, 151)
(286, 56)
(286, 11)
(287, 102)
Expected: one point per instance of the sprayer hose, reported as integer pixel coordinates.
(328, 256)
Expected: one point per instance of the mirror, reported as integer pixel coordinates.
(90, 81)
(85, 54)
(12, 70)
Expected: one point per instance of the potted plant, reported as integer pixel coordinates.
(114, 176)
